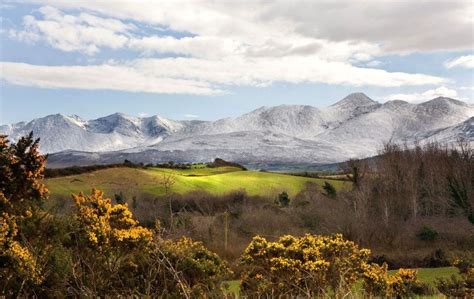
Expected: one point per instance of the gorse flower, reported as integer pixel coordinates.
(106, 225)
(308, 265)
(21, 169)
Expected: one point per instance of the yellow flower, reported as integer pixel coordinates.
(108, 226)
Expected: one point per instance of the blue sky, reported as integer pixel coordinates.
(208, 60)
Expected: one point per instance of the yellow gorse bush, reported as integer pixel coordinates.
(404, 281)
(106, 225)
(307, 266)
(19, 257)
(21, 169)
(201, 269)
(377, 281)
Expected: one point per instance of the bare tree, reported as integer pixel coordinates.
(168, 179)
(356, 170)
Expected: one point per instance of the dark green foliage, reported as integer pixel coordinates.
(329, 189)
(74, 170)
(221, 163)
(120, 198)
(283, 200)
(427, 233)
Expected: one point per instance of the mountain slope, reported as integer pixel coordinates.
(356, 126)
(110, 133)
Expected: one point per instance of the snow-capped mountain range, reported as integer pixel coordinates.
(354, 127)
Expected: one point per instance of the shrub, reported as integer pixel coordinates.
(283, 200)
(427, 233)
(21, 194)
(436, 259)
(106, 226)
(452, 287)
(463, 264)
(377, 281)
(120, 198)
(455, 286)
(405, 283)
(329, 189)
(307, 266)
(200, 271)
(108, 243)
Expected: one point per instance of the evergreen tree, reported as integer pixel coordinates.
(283, 199)
(329, 189)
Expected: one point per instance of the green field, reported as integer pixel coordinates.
(219, 180)
(429, 275)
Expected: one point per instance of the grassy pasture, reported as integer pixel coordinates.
(219, 180)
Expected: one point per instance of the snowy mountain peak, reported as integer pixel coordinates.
(353, 100)
(117, 122)
(443, 101)
(356, 126)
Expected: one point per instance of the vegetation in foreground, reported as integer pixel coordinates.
(98, 248)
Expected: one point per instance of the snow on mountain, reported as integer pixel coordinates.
(114, 132)
(294, 120)
(356, 126)
(452, 135)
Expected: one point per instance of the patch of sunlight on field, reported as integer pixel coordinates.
(219, 180)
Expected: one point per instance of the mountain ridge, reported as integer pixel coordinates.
(354, 127)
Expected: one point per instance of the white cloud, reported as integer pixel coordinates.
(191, 116)
(424, 96)
(228, 44)
(466, 62)
(84, 32)
(379, 22)
(143, 114)
(110, 77)
(89, 33)
(201, 76)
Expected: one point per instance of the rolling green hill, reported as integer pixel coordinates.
(217, 180)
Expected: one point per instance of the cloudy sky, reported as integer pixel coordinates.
(212, 59)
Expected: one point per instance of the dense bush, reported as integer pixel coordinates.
(306, 266)
(405, 284)
(427, 233)
(459, 286)
(21, 195)
(329, 189)
(376, 281)
(220, 163)
(199, 270)
(283, 200)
